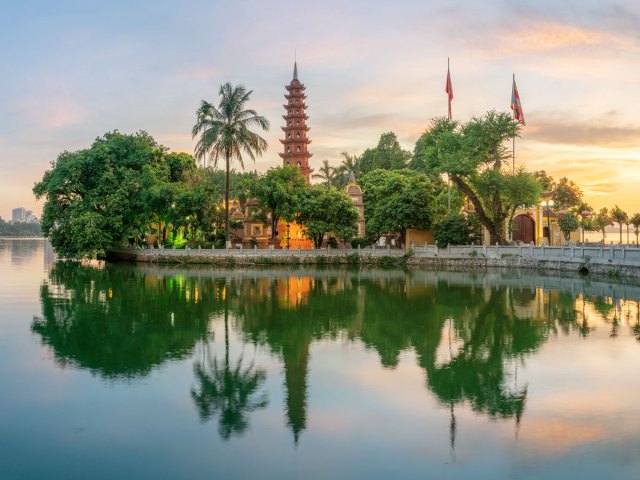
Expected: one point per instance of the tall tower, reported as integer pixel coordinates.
(295, 139)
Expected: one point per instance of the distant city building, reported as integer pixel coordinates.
(18, 215)
(30, 217)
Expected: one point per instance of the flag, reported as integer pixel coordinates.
(449, 89)
(516, 105)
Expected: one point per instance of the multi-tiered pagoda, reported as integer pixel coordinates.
(295, 139)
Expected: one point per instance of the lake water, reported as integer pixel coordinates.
(118, 371)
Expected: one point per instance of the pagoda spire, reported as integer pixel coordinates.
(295, 129)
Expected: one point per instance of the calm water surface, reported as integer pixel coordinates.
(119, 371)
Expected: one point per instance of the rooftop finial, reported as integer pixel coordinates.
(295, 70)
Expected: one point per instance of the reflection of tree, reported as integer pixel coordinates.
(118, 322)
(228, 391)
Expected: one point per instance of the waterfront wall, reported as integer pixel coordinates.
(609, 260)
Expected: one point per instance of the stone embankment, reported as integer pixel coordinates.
(610, 261)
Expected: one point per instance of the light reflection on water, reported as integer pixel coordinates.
(316, 373)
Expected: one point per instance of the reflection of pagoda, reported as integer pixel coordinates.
(295, 130)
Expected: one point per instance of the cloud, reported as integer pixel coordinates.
(570, 132)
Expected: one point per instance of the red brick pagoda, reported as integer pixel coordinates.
(295, 139)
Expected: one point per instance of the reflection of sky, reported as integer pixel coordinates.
(77, 69)
(363, 421)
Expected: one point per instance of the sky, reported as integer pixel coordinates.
(73, 70)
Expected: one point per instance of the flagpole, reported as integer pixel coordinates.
(448, 176)
(513, 161)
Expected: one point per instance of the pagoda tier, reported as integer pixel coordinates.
(295, 142)
(306, 128)
(295, 154)
(301, 96)
(296, 116)
(290, 106)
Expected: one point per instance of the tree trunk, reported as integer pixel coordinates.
(226, 203)
(620, 234)
(493, 226)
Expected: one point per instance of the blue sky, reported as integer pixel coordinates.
(76, 69)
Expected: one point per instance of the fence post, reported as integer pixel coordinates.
(573, 250)
(484, 250)
(612, 252)
(531, 249)
(624, 252)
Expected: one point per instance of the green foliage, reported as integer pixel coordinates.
(635, 221)
(387, 155)
(567, 195)
(569, 223)
(326, 210)
(452, 230)
(94, 198)
(397, 200)
(352, 258)
(620, 217)
(602, 220)
(361, 242)
(280, 191)
(476, 157)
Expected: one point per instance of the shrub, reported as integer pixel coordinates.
(452, 230)
(332, 242)
(361, 242)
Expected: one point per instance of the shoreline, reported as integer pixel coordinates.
(599, 266)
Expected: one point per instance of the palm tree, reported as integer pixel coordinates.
(635, 221)
(225, 133)
(326, 173)
(620, 217)
(351, 163)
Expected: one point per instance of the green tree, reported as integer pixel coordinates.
(566, 195)
(326, 210)
(602, 220)
(620, 217)
(94, 197)
(474, 155)
(395, 200)
(327, 174)
(546, 181)
(452, 230)
(279, 191)
(635, 221)
(568, 223)
(388, 155)
(225, 132)
(349, 164)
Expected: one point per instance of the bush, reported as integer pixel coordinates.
(362, 242)
(452, 230)
(332, 242)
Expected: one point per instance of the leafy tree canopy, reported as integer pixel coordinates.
(395, 200)
(387, 155)
(94, 196)
(326, 210)
(475, 157)
(279, 191)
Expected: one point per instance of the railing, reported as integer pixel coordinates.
(607, 253)
(271, 252)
